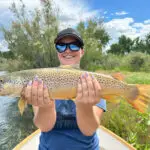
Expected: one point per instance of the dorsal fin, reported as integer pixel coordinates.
(118, 76)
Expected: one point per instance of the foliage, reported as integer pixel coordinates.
(142, 45)
(31, 36)
(3, 64)
(7, 54)
(95, 37)
(124, 46)
(109, 62)
(136, 61)
(146, 65)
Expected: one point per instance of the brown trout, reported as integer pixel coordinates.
(62, 84)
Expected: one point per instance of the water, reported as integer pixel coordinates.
(13, 126)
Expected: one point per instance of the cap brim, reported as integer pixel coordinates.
(73, 35)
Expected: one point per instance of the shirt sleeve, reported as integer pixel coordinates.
(102, 104)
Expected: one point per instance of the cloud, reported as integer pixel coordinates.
(147, 21)
(121, 13)
(105, 12)
(72, 12)
(5, 4)
(127, 27)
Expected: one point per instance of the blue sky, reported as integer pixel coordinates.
(137, 9)
(128, 17)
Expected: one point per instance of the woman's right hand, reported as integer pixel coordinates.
(36, 93)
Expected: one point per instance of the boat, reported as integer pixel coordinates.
(108, 141)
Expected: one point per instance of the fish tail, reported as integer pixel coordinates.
(141, 101)
(22, 105)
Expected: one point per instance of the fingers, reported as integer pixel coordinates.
(27, 93)
(46, 95)
(79, 90)
(89, 89)
(40, 97)
(97, 88)
(85, 91)
(36, 93)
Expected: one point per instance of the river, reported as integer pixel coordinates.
(13, 126)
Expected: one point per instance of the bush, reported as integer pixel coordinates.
(3, 64)
(146, 66)
(134, 61)
(110, 61)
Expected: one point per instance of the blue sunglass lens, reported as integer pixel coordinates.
(60, 48)
(74, 47)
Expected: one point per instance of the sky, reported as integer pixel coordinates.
(129, 17)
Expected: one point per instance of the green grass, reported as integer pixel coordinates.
(137, 77)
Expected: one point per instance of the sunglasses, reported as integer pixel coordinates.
(62, 47)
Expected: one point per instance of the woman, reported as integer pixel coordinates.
(65, 124)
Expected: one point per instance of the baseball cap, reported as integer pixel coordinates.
(69, 32)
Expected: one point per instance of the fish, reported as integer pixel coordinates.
(62, 83)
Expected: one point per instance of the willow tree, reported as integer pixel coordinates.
(31, 36)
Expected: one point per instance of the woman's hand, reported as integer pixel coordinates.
(36, 93)
(89, 91)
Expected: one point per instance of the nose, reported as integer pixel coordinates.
(68, 50)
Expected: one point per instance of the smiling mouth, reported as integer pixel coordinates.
(68, 57)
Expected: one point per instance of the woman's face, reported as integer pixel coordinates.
(69, 57)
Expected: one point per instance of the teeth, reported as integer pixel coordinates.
(68, 56)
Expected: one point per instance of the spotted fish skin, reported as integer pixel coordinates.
(55, 79)
(62, 84)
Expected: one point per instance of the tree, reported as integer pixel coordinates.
(95, 37)
(115, 49)
(139, 45)
(7, 54)
(31, 40)
(147, 43)
(124, 46)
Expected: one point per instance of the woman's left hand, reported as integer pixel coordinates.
(89, 91)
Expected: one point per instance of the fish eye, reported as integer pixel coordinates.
(1, 80)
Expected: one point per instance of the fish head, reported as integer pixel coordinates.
(9, 85)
